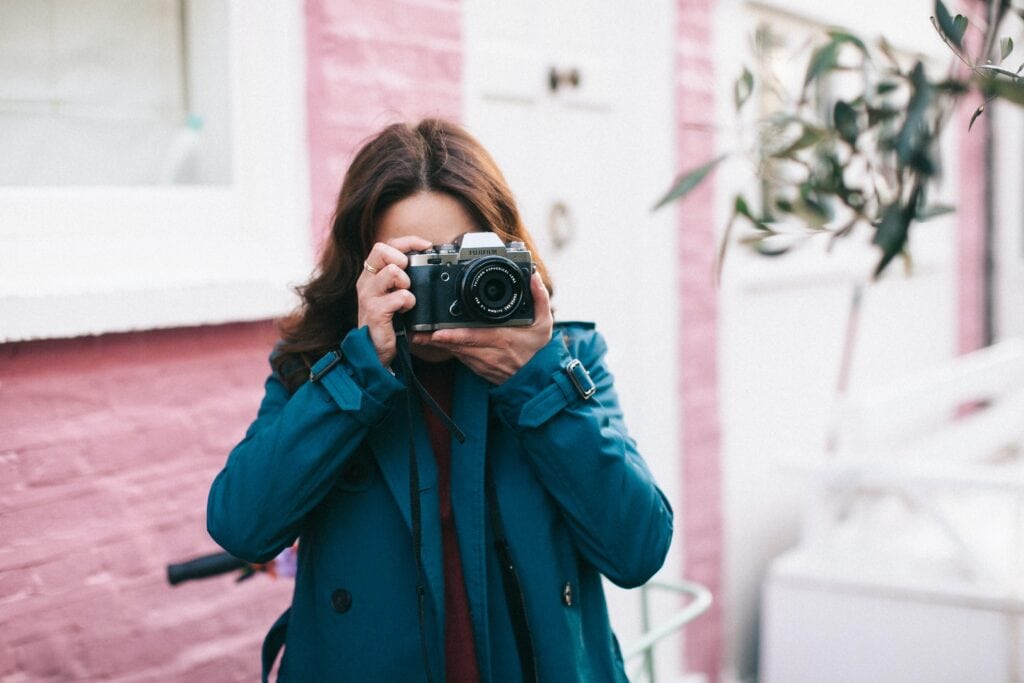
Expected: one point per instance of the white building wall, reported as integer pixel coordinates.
(783, 323)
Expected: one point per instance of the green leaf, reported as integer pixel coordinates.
(824, 59)
(891, 235)
(948, 25)
(1011, 91)
(771, 245)
(1005, 47)
(974, 117)
(878, 115)
(960, 27)
(934, 211)
(922, 160)
(742, 89)
(687, 181)
(740, 206)
(913, 138)
(811, 207)
(893, 229)
(993, 69)
(841, 36)
(886, 87)
(809, 136)
(845, 118)
(952, 87)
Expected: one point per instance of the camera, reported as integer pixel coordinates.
(478, 281)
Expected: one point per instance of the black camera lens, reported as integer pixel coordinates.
(492, 289)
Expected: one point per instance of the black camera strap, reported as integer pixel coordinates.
(514, 596)
(415, 510)
(513, 587)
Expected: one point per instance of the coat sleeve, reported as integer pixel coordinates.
(584, 457)
(294, 450)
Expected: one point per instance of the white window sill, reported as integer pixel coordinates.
(89, 260)
(70, 315)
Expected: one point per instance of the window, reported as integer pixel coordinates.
(155, 170)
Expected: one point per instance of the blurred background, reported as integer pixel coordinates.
(841, 460)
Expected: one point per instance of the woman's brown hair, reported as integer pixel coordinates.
(402, 160)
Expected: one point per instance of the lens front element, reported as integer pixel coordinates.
(492, 289)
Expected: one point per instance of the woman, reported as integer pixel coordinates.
(400, 527)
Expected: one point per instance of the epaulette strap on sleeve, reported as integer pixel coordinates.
(580, 379)
(566, 388)
(321, 367)
(340, 386)
(354, 378)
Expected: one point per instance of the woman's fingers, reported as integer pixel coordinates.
(393, 252)
(409, 243)
(381, 256)
(376, 315)
(541, 301)
(388, 278)
(381, 309)
(383, 290)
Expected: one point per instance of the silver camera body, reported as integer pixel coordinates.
(477, 281)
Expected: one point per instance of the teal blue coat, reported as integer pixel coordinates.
(329, 465)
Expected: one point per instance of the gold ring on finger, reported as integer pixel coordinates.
(371, 269)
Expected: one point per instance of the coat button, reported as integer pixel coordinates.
(341, 600)
(567, 594)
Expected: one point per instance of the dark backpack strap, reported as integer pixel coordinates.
(510, 582)
(274, 641)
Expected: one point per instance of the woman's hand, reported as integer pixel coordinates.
(496, 353)
(385, 292)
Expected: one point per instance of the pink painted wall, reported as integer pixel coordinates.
(108, 444)
(701, 527)
(371, 64)
(107, 449)
(971, 228)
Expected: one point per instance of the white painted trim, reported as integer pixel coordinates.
(1008, 235)
(76, 314)
(79, 261)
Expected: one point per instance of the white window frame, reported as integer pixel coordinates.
(85, 260)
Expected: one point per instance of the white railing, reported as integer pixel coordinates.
(644, 646)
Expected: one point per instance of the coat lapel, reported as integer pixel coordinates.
(468, 463)
(390, 444)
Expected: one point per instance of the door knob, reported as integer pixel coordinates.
(563, 78)
(561, 226)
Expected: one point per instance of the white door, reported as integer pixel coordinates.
(574, 99)
(1008, 225)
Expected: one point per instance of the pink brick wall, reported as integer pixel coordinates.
(371, 64)
(701, 526)
(108, 444)
(107, 448)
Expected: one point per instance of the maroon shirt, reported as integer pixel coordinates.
(459, 650)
